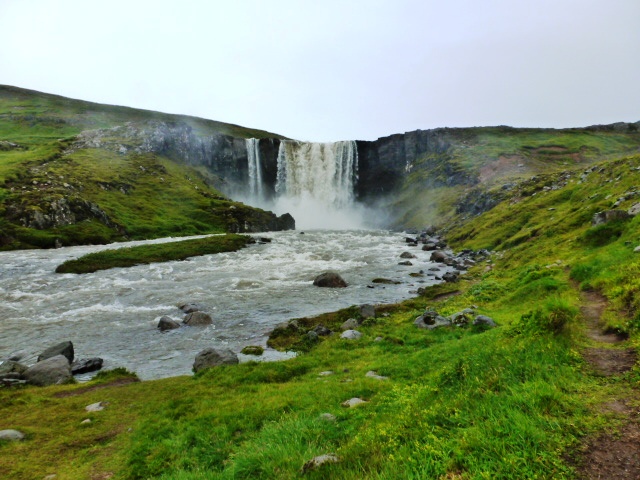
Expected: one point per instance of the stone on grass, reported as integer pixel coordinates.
(328, 417)
(325, 373)
(212, 358)
(64, 348)
(367, 311)
(351, 335)
(167, 323)
(322, 330)
(95, 407)
(329, 280)
(484, 320)
(372, 374)
(353, 402)
(197, 319)
(607, 216)
(11, 435)
(52, 371)
(317, 462)
(431, 319)
(350, 324)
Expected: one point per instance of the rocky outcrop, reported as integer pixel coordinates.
(212, 358)
(63, 348)
(52, 371)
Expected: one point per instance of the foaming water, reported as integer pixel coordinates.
(113, 313)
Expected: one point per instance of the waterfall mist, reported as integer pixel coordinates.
(315, 183)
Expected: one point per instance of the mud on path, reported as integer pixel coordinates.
(613, 455)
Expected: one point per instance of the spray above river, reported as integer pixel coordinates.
(315, 183)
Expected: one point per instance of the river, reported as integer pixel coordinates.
(113, 314)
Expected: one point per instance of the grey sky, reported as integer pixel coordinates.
(330, 70)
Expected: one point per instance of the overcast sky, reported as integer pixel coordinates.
(333, 70)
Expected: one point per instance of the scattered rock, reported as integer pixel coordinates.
(212, 358)
(252, 350)
(372, 374)
(317, 462)
(407, 255)
(312, 337)
(86, 365)
(429, 247)
(386, 281)
(197, 319)
(85, 421)
(95, 407)
(450, 277)
(329, 280)
(52, 371)
(607, 216)
(325, 373)
(167, 323)
(378, 339)
(17, 356)
(484, 320)
(350, 324)
(439, 257)
(406, 263)
(322, 330)
(191, 307)
(12, 367)
(351, 335)
(634, 210)
(462, 318)
(64, 348)
(328, 417)
(353, 402)
(430, 320)
(367, 311)
(11, 435)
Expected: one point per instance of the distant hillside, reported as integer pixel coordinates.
(54, 190)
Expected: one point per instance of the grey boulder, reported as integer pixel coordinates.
(64, 348)
(11, 435)
(167, 323)
(431, 319)
(212, 358)
(484, 320)
(351, 335)
(329, 280)
(197, 319)
(52, 371)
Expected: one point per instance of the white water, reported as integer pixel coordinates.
(315, 183)
(256, 187)
(113, 313)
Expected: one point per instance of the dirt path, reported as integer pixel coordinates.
(614, 455)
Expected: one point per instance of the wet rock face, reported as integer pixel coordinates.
(329, 280)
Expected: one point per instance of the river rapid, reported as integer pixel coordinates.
(113, 314)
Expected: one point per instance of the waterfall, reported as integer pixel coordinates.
(255, 169)
(326, 172)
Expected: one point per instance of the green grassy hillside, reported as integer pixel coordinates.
(517, 401)
(481, 163)
(52, 193)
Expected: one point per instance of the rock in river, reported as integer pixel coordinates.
(330, 280)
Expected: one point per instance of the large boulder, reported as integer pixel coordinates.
(167, 323)
(63, 348)
(212, 357)
(431, 319)
(439, 256)
(197, 319)
(607, 216)
(51, 371)
(330, 280)
(484, 320)
(86, 365)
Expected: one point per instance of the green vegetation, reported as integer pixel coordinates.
(53, 192)
(516, 401)
(143, 254)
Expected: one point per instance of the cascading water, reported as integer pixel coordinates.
(316, 183)
(256, 187)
